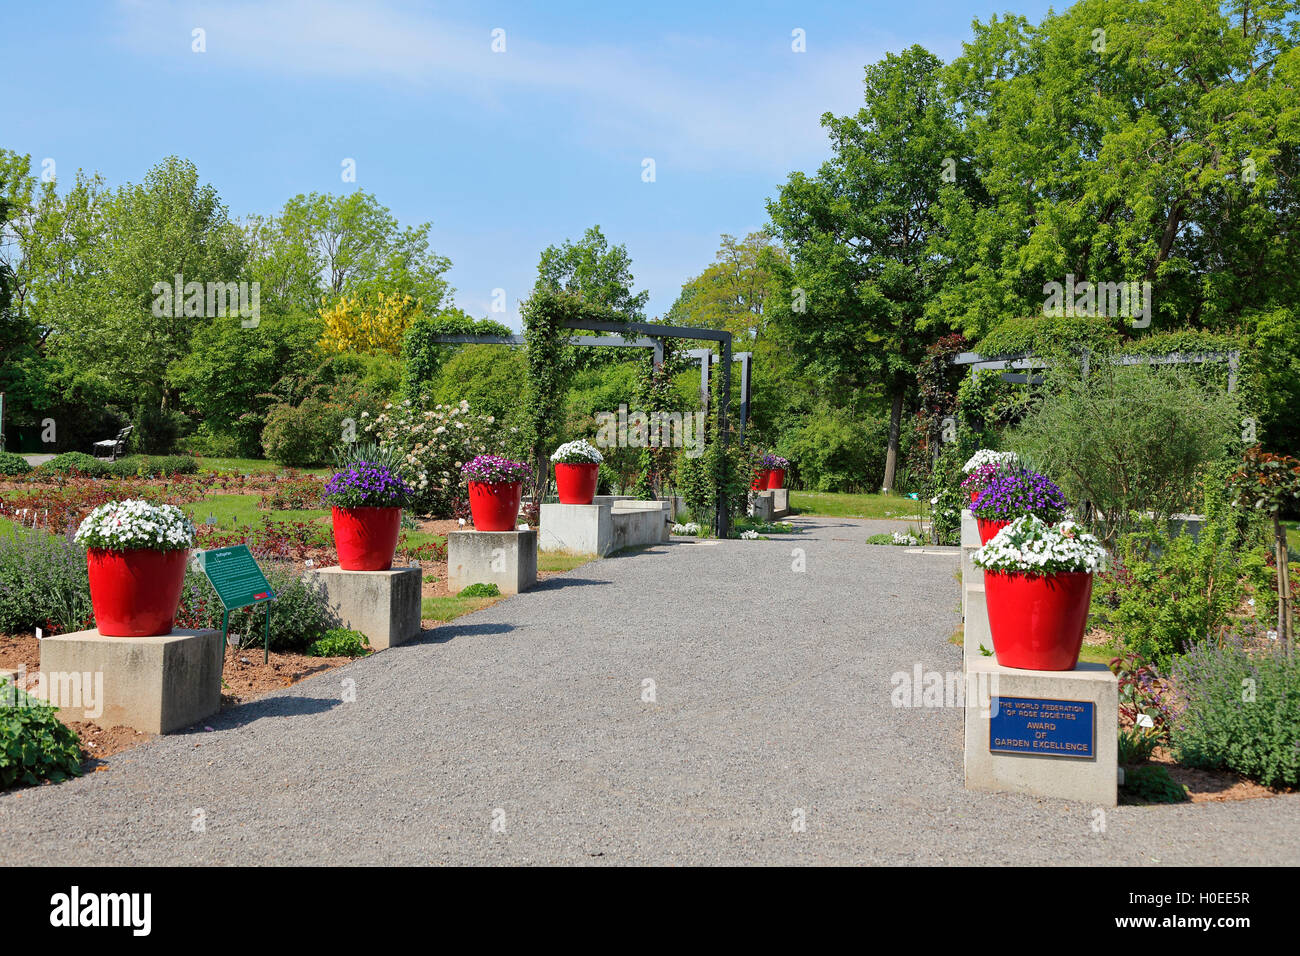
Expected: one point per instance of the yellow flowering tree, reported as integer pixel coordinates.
(368, 324)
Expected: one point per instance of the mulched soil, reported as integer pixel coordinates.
(245, 678)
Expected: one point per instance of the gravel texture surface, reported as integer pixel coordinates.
(525, 734)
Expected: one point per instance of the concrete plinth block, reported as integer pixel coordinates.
(383, 605)
(154, 684)
(1091, 779)
(780, 502)
(975, 629)
(970, 530)
(507, 559)
(577, 529)
(762, 506)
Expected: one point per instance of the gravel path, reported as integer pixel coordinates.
(771, 704)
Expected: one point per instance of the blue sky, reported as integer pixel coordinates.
(504, 152)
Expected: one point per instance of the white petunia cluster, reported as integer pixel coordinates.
(135, 524)
(750, 535)
(986, 456)
(903, 537)
(1030, 545)
(690, 528)
(578, 452)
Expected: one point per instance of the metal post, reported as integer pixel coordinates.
(225, 629)
(744, 392)
(724, 399)
(266, 643)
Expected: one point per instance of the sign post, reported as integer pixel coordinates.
(239, 582)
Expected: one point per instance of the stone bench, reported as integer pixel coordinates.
(606, 525)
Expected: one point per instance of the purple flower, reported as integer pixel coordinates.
(495, 470)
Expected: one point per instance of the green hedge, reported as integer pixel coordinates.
(77, 461)
(12, 465)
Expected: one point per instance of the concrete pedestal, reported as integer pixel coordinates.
(769, 505)
(1092, 780)
(507, 559)
(154, 684)
(604, 526)
(383, 605)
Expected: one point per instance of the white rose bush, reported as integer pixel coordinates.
(430, 444)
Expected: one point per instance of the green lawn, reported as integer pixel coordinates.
(245, 466)
(450, 606)
(558, 561)
(833, 505)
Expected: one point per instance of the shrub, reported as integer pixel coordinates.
(300, 613)
(1239, 709)
(152, 466)
(340, 642)
(1127, 439)
(155, 431)
(434, 441)
(837, 450)
(11, 464)
(302, 435)
(77, 461)
(1152, 784)
(881, 539)
(480, 589)
(34, 744)
(1168, 593)
(43, 583)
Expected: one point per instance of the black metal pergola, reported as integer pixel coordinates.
(647, 335)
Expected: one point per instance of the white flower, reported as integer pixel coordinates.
(1029, 545)
(750, 535)
(577, 453)
(986, 456)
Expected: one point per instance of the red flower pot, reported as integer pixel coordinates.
(1037, 620)
(575, 483)
(989, 528)
(366, 537)
(775, 479)
(760, 479)
(495, 506)
(135, 593)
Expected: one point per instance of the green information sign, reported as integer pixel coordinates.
(239, 582)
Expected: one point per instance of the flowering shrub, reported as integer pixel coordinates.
(495, 470)
(431, 444)
(904, 537)
(1144, 706)
(750, 535)
(1031, 546)
(124, 525)
(986, 456)
(365, 485)
(580, 452)
(1013, 494)
(691, 529)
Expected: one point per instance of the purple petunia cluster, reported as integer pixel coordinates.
(495, 470)
(1014, 493)
(366, 485)
(773, 462)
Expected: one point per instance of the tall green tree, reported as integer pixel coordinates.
(595, 270)
(861, 234)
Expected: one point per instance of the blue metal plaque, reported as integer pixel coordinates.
(1053, 728)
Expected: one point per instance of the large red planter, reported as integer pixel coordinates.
(974, 494)
(988, 529)
(775, 479)
(760, 479)
(366, 538)
(494, 506)
(135, 593)
(1037, 620)
(576, 483)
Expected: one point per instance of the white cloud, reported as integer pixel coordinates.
(707, 104)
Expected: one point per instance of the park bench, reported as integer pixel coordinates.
(110, 448)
